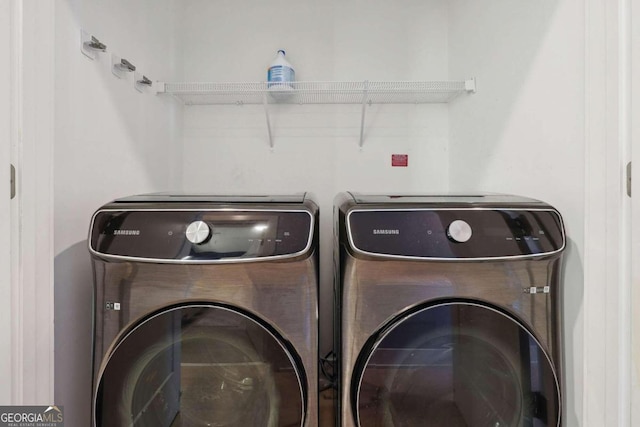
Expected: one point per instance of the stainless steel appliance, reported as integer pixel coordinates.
(448, 311)
(205, 311)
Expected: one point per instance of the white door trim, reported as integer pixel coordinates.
(6, 355)
(634, 144)
(32, 299)
(607, 286)
(606, 366)
(623, 204)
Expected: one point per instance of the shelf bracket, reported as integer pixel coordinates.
(160, 87)
(470, 85)
(266, 113)
(365, 94)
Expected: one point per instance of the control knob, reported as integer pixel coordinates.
(459, 231)
(197, 232)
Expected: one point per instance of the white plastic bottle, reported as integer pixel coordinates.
(280, 72)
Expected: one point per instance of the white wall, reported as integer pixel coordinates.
(523, 132)
(110, 141)
(226, 148)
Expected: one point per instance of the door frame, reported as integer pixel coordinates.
(5, 205)
(32, 81)
(607, 313)
(634, 220)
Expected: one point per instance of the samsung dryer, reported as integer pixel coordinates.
(449, 311)
(205, 311)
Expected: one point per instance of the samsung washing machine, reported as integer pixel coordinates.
(449, 311)
(205, 311)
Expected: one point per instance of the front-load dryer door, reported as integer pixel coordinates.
(451, 365)
(200, 365)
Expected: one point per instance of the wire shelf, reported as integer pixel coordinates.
(369, 92)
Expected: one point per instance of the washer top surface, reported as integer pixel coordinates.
(212, 198)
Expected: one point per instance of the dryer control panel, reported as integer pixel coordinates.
(200, 236)
(475, 233)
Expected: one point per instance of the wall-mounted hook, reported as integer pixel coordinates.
(120, 67)
(90, 46)
(96, 44)
(125, 65)
(142, 82)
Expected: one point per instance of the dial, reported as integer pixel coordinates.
(459, 231)
(197, 232)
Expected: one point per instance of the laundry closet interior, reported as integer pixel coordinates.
(514, 123)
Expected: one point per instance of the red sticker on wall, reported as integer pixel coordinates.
(401, 160)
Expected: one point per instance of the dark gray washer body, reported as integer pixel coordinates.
(396, 261)
(265, 288)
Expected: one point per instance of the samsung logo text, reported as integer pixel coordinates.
(385, 231)
(126, 232)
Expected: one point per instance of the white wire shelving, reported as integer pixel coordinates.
(370, 92)
(365, 93)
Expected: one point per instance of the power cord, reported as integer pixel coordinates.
(327, 367)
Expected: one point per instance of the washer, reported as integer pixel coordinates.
(448, 311)
(205, 311)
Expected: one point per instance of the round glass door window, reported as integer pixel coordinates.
(200, 366)
(455, 365)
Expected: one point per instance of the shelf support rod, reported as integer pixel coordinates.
(266, 113)
(365, 93)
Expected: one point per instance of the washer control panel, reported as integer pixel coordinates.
(214, 235)
(455, 233)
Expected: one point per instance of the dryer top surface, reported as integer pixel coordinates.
(442, 200)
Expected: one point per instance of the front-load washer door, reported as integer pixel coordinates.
(455, 364)
(200, 365)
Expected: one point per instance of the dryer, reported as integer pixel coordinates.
(448, 311)
(205, 311)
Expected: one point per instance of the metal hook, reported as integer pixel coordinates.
(96, 44)
(141, 82)
(90, 45)
(125, 65)
(120, 67)
(145, 81)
